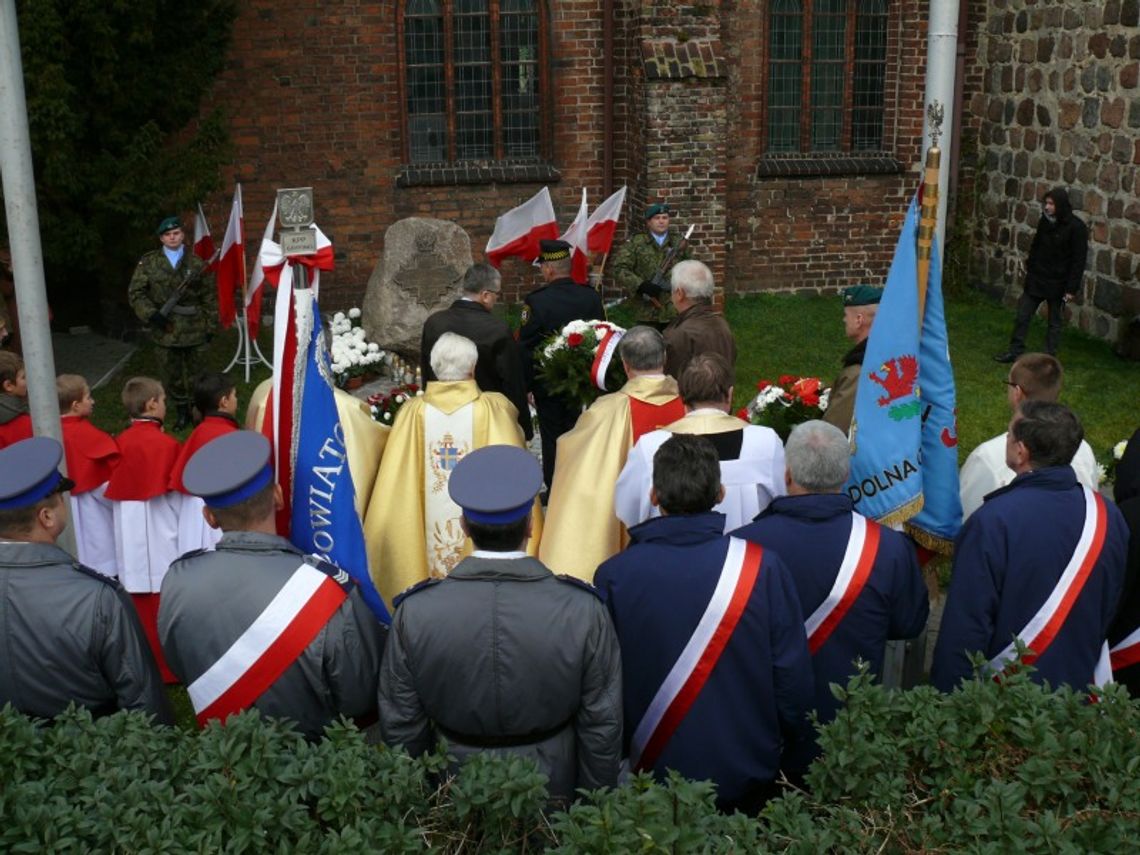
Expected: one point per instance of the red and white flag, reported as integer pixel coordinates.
(231, 266)
(518, 231)
(575, 235)
(603, 222)
(203, 242)
(256, 279)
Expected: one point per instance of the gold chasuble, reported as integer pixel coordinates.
(364, 437)
(401, 549)
(581, 528)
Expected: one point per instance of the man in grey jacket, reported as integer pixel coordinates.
(69, 633)
(503, 655)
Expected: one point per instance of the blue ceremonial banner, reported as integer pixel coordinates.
(324, 518)
(936, 525)
(885, 481)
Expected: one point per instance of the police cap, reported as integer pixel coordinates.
(29, 471)
(862, 295)
(495, 484)
(229, 469)
(553, 250)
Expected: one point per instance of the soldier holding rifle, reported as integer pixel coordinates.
(172, 293)
(642, 266)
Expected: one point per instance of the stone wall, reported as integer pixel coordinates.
(1057, 105)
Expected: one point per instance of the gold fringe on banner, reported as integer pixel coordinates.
(933, 542)
(902, 513)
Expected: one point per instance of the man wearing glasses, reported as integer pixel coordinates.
(499, 368)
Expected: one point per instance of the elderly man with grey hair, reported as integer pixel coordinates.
(859, 584)
(500, 367)
(412, 528)
(582, 529)
(698, 327)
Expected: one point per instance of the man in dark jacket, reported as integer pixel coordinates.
(499, 368)
(503, 655)
(698, 327)
(860, 303)
(546, 311)
(717, 673)
(1053, 272)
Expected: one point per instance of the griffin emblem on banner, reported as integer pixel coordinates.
(897, 377)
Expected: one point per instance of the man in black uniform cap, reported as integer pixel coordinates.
(546, 311)
(69, 633)
(503, 655)
(254, 622)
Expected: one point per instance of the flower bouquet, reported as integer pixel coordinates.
(351, 354)
(787, 403)
(1106, 468)
(580, 363)
(385, 405)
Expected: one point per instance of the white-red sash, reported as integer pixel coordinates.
(604, 355)
(854, 571)
(1044, 626)
(269, 646)
(689, 673)
(1126, 652)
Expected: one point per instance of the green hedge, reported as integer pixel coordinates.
(993, 767)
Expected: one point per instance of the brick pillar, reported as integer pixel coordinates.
(683, 121)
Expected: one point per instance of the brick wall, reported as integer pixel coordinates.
(1056, 104)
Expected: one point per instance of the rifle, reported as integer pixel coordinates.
(161, 318)
(660, 286)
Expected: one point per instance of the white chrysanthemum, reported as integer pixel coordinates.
(400, 399)
(373, 347)
(1101, 473)
(1118, 449)
(576, 327)
(419, 393)
(387, 417)
(338, 317)
(354, 313)
(824, 398)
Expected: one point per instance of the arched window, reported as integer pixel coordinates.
(474, 82)
(826, 75)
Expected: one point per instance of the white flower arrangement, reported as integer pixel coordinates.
(351, 354)
(1118, 449)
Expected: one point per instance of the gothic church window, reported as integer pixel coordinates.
(827, 64)
(473, 80)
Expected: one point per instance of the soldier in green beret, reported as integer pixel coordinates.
(860, 302)
(171, 291)
(640, 257)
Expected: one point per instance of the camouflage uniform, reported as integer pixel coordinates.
(637, 261)
(181, 347)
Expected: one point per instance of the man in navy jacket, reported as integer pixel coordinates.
(813, 529)
(717, 676)
(1043, 534)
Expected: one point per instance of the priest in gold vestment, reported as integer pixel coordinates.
(412, 528)
(582, 530)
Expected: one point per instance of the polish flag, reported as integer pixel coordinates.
(579, 251)
(231, 266)
(603, 222)
(203, 243)
(256, 280)
(518, 231)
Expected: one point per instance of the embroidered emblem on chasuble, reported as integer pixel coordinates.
(447, 439)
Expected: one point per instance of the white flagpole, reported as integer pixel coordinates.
(941, 50)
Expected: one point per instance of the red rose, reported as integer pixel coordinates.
(811, 400)
(807, 386)
(574, 339)
(762, 385)
(742, 414)
(787, 380)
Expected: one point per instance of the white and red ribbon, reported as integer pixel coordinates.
(854, 571)
(278, 267)
(1042, 629)
(691, 671)
(269, 646)
(1126, 652)
(604, 355)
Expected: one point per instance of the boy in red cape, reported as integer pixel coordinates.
(91, 458)
(146, 512)
(215, 401)
(15, 423)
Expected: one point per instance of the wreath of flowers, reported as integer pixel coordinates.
(350, 352)
(385, 405)
(566, 359)
(790, 401)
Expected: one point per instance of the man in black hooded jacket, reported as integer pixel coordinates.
(1053, 272)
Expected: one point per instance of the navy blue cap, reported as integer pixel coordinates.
(553, 250)
(495, 484)
(229, 469)
(29, 471)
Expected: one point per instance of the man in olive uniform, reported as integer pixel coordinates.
(69, 634)
(860, 303)
(640, 257)
(546, 311)
(182, 332)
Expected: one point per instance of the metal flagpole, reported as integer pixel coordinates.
(941, 59)
(246, 347)
(24, 237)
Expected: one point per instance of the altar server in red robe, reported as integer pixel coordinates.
(92, 456)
